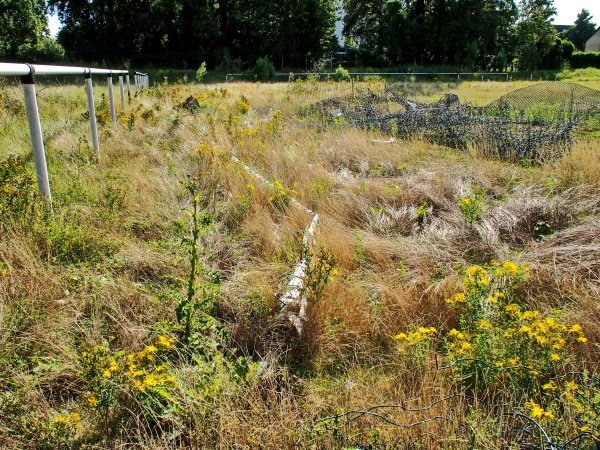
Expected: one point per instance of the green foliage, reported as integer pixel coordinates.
(66, 242)
(580, 60)
(470, 207)
(203, 286)
(421, 213)
(201, 72)
(320, 272)
(22, 23)
(341, 74)
(18, 191)
(263, 70)
(46, 50)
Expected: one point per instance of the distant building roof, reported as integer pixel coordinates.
(561, 28)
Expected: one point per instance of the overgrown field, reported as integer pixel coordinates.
(452, 298)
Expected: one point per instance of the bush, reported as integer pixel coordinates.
(341, 74)
(45, 51)
(263, 70)
(580, 60)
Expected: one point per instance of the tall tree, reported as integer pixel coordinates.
(582, 31)
(535, 33)
(22, 22)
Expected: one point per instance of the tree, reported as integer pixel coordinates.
(461, 32)
(582, 31)
(535, 34)
(22, 22)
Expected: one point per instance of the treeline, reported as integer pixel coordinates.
(183, 33)
(234, 34)
(471, 34)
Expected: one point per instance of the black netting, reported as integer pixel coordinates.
(532, 124)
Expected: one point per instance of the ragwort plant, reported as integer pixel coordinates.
(281, 196)
(470, 207)
(501, 348)
(141, 380)
(503, 351)
(496, 329)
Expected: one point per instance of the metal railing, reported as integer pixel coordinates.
(27, 72)
(141, 81)
(293, 75)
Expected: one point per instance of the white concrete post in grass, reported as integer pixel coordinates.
(35, 129)
(122, 89)
(92, 112)
(128, 86)
(111, 98)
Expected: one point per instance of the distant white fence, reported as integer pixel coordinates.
(27, 73)
(141, 80)
(291, 76)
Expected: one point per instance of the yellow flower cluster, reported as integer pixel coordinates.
(548, 332)
(537, 412)
(142, 374)
(242, 105)
(139, 371)
(475, 277)
(459, 344)
(72, 419)
(91, 399)
(411, 339)
(281, 197)
(206, 150)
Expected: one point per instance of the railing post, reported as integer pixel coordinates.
(111, 98)
(122, 89)
(137, 83)
(35, 130)
(128, 86)
(92, 112)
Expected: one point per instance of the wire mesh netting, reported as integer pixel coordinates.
(531, 124)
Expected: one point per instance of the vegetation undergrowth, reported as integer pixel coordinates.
(452, 299)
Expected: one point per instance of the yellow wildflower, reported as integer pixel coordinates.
(510, 268)
(165, 342)
(555, 357)
(575, 329)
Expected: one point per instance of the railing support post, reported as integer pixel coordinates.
(37, 141)
(128, 87)
(92, 112)
(122, 89)
(111, 98)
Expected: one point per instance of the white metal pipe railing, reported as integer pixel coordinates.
(141, 81)
(27, 73)
(319, 74)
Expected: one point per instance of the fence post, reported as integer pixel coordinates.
(92, 112)
(35, 130)
(111, 98)
(128, 86)
(137, 83)
(122, 89)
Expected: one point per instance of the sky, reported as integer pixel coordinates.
(567, 11)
